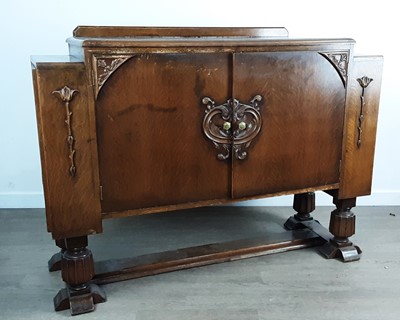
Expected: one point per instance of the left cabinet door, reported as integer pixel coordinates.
(152, 148)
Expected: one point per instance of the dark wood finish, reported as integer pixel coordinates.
(142, 120)
(121, 32)
(72, 204)
(152, 151)
(126, 213)
(303, 204)
(302, 106)
(151, 264)
(77, 256)
(77, 270)
(356, 176)
(342, 225)
(81, 301)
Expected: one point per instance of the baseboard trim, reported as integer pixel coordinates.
(377, 198)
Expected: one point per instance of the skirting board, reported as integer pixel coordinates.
(377, 198)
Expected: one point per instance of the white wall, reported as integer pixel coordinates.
(40, 27)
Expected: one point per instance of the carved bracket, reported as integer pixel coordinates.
(340, 61)
(104, 67)
(364, 82)
(217, 125)
(66, 95)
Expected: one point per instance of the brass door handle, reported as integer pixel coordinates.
(242, 125)
(226, 125)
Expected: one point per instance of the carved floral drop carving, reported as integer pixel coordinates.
(66, 95)
(364, 83)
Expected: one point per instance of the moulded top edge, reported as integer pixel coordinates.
(201, 42)
(53, 59)
(185, 32)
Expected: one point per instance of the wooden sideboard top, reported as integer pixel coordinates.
(125, 31)
(99, 36)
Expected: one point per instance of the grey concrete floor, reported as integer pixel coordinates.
(292, 285)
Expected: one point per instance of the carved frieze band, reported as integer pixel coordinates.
(66, 95)
(364, 82)
(104, 67)
(232, 125)
(340, 61)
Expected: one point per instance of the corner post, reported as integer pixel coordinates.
(303, 204)
(77, 270)
(342, 226)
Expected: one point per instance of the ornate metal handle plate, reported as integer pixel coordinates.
(249, 122)
(232, 125)
(364, 82)
(217, 126)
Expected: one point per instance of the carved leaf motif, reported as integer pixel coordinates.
(105, 67)
(364, 81)
(102, 63)
(66, 94)
(340, 60)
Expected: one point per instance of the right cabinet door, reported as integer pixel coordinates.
(302, 114)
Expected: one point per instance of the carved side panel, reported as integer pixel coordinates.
(360, 126)
(340, 61)
(68, 149)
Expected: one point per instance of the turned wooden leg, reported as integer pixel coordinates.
(342, 226)
(54, 263)
(77, 270)
(303, 204)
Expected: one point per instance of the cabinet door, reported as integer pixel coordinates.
(302, 112)
(152, 149)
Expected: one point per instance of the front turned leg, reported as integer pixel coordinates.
(303, 204)
(77, 270)
(342, 226)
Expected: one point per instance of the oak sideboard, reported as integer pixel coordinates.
(138, 120)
